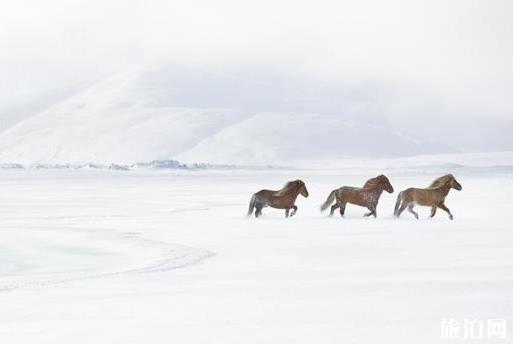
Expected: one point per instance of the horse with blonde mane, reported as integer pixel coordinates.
(433, 196)
(366, 196)
(280, 199)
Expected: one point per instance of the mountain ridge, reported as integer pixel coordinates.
(158, 114)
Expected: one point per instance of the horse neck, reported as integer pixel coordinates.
(295, 192)
(444, 189)
(378, 190)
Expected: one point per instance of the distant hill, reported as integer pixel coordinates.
(175, 113)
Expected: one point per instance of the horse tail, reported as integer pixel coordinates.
(398, 203)
(252, 205)
(329, 200)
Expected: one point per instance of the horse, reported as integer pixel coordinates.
(281, 199)
(366, 196)
(433, 196)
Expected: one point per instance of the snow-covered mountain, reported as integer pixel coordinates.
(276, 137)
(169, 113)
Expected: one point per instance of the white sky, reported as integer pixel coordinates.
(457, 52)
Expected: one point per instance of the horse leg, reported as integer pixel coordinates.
(443, 207)
(287, 212)
(433, 211)
(401, 209)
(334, 207)
(342, 209)
(294, 210)
(258, 210)
(371, 212)
(410, 209)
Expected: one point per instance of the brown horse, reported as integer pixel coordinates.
(281, 199)
(433, 196)
(366, 196)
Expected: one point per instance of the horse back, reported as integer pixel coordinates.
(265, 193)
(274, 199)
(354, 195)
(426, 197)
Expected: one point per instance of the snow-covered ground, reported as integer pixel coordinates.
(169, 257)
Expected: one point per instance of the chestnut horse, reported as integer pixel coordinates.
(366, 196)
(281, 199)
(433, 196)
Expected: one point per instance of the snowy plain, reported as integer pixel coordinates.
(168, 256)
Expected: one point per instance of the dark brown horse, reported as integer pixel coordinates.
(281, 199)
(366, 196)
(433, 196)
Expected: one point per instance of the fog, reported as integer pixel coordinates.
(440, 70)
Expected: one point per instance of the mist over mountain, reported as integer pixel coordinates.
(148, 114)
(23, 106)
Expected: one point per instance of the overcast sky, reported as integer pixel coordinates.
(457, 54)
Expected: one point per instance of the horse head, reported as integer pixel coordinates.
(385, 183)
(454, 184)
(302, 188)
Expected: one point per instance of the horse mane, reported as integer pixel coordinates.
(440, 181)
(287, 187)
(373, 182)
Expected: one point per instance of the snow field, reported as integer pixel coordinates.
(306, 279)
